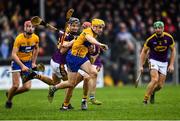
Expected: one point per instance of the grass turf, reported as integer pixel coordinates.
(118, 103)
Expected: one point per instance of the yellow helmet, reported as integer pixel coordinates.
(97, 22)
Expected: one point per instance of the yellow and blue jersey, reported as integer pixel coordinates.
(78, 54)
(25, 46)
(80, 45)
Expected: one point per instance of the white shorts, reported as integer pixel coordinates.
(56, 69)
(159, 66)
(83, 73)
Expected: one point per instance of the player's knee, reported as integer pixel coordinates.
(15, 86)
(87, 78)
(93, 74)
(55, 82)
(155, 80)
(71, 84)
(27, 87)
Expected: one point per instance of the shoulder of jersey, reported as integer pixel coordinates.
(35, 36)
(150, 37)
(167, 34)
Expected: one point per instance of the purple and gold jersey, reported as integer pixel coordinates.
(58, 57)
(25, 46)
(159, 46)
(94, 57)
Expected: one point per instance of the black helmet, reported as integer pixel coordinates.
(73, 20)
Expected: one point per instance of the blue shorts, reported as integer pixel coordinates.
(74, 62)
(15, 66)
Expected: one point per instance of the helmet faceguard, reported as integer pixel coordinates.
(74, 25)
(74, 20)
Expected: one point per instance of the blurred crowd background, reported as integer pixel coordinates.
(127, 22)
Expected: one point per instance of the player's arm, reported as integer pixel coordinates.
(17, 60)
(14, 56)
(94, 41)
(68, 44)
(35, 54)
(172, 58)
(143, 56)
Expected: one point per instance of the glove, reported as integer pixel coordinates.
(39, 67)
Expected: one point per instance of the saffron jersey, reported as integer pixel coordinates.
(80, 45)
(25, 46)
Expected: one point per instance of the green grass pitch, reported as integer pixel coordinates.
(118, 103)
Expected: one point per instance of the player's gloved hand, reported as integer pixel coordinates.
(34, 65)
(91, 49)
(98, 68)
(39, 67)
(104, 47)
(24, 68)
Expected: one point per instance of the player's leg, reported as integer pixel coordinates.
(62, 85)
(58, 75)
(83, 76)
(69, 91)
(74, 64)
(48, 80)
(66, 105)
(89, 86)
(24, 88)
(53, 89)
(162, 77)
(56, 79)
(72, 78)
(86, 86)
(150, 88)
(10, 93)
(33, 75)
(91, 71)
(44, 79)
(160, 84)
(92, 90)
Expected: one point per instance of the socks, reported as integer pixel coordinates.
(84, 99)
(146, 97)
(54, 88)
(65, 104)
(91, 97)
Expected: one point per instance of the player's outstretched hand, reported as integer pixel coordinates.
(104, 47)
